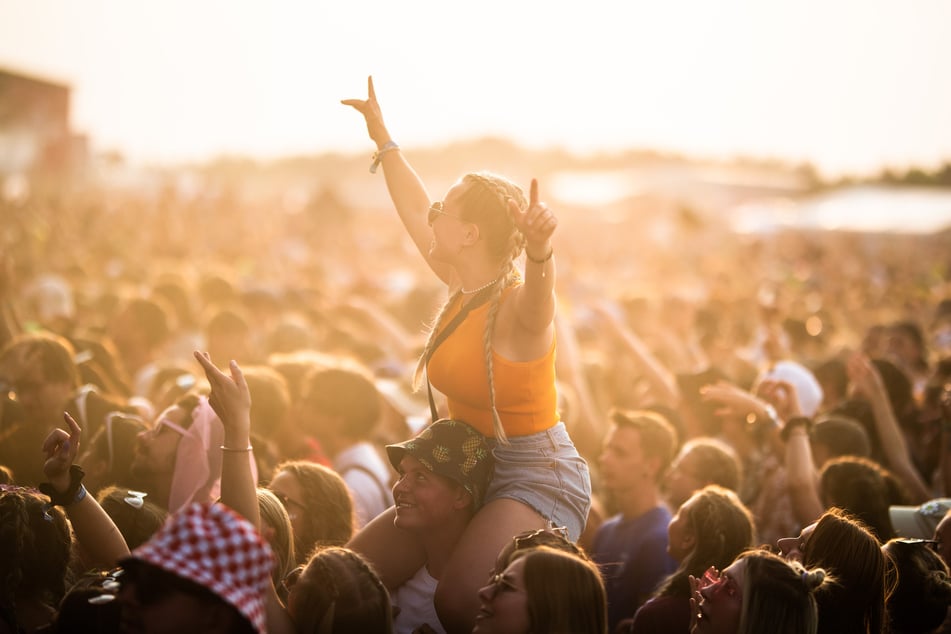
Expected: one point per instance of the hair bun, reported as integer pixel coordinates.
(812, 579)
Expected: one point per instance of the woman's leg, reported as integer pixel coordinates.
(473, 559)
(395, 554)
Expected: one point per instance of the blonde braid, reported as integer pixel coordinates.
(503, 191)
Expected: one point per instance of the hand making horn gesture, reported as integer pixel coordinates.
(370, 109)
(537, 224)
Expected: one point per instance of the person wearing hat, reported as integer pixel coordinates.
(443, 475)
(206, 570)
(919, 522)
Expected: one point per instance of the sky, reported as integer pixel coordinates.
(850, 86)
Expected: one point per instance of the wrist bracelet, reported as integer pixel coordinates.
(798, 421)
(551, 252)
(389, 146)
(74, 493)
(236, 449)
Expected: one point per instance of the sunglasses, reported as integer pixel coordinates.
(435, 210)
(718, 584)
(541, 537)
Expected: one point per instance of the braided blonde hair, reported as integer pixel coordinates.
(485, 202)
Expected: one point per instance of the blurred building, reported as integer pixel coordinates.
(35, 135)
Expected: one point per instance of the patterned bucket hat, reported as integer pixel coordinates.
(211, 545)
(452, 449)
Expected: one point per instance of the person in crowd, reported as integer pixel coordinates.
(140, 330)
(701, 462)
(35, 549)
(443, 475)
(206, 570)
(277, 530)
(37, 532)
(336, 591)
(862, 488)
(178, 460)
(107, 459)
(710, 529)
(631, 547)
(921, 599)
(40, 368)
(544, 589)
(920, 521)
(137, 517)
(834, 436)
(759, 592)
(271, 406)
(847, 549)
(340, 406)
(318, 504)
(494, 364)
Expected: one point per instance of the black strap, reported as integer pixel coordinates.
(480, 298)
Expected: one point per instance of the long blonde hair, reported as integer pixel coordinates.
(485, 202)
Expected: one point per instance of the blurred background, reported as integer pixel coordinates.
(692, 148)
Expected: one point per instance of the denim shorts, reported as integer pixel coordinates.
(545, 472)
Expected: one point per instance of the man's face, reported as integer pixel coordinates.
(424, 499)
(623, 463)
(43, 400)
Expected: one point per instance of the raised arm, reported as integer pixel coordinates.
(231, 400)
(405, 187)
(662, 382)
(866, 379)
(95, 530)
(535, 299)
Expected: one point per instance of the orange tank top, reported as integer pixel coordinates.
(525, 394)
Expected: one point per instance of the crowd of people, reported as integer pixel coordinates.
(206, 428)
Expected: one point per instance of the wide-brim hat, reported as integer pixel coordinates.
(452, 449)
(919, 521)
(211, 545)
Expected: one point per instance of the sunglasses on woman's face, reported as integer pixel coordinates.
(436, 210)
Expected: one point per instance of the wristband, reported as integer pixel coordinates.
(389, 146)
(798, 421)
(237, 449)
(75, 493)
(551, 252)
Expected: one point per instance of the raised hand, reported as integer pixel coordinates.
(61, 448)
(230, 396)
(537, 224)
(370, 109)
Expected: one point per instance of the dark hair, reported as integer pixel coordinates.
(864, 489)
(136, 517)
(35, 546)
(114, 444)
(922, 595)
(723, 528)
(847, 549)
(346, 591)
(842, 436)
(56, 355)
